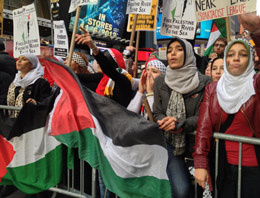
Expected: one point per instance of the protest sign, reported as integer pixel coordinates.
(139, 6)
(26, 32)
(144, 22)
(210, 9)
(75, 3)
(179, 19)
(60, 39)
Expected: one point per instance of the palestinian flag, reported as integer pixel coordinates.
(218, 30)
(30, 158)
(128, 150)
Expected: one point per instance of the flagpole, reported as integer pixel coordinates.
(148, 109)
(136, 53)
(133, 31)
(228, 29)
(72, 42)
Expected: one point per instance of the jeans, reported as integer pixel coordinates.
(178, 174)
(102, 187)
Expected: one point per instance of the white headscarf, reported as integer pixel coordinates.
(185, 79)
(234, 91)
(33, 75)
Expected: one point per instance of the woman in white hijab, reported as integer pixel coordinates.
(28, 85)
(231, 106)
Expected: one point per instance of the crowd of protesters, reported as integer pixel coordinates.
(215, 93)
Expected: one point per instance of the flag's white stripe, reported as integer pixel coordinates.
(135, 161)
(213, 37)
(32, 146)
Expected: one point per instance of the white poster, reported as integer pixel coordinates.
(61, 44)
(26, 32)
(75, 3)
(179, 19)
(213, 9)
(139, 7)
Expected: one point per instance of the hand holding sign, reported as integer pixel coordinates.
(251, 22)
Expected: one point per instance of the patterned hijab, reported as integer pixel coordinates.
(234, 91)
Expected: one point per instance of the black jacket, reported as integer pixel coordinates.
(7, 64)
(5, 81)
(122, 92)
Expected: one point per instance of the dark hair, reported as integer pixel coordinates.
(182, 44)
(212, 62)
(224, 40)
(2, 45)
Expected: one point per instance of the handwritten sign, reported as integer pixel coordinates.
(179, 19)
(213, 9)
(26, 32)
(144, 22)
(139, 7)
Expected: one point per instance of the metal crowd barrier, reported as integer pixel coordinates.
(218, 136)
(234, 138)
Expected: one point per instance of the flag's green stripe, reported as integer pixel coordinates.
(221, 25)
(38, 176)
(208, 51)
(90, 151)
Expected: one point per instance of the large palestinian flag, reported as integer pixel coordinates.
(128, 150)
(30, 158)
(218, 29)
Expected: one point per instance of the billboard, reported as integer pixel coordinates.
(203, 30)
(106, 17)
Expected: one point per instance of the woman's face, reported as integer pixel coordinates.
(237, 59)
(154, 71)
(73, 65)
(23, 64)
(217, 69)
(208, 69)
(175, 55)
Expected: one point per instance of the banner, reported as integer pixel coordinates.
(1, 18)
(208, 9)
(179, 19)
(26, 32)
(139, 7)
(107, 18)
(61, 44)
(75, 3)
(144, 22)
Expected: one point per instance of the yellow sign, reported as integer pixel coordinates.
(144, 22)
(1, 18)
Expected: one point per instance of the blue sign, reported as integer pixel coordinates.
(203, 30)
(107, 17)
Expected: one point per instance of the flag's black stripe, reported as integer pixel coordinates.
(124, 127)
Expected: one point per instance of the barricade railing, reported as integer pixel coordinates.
(217, 136)
(235, 138)
(70, 191)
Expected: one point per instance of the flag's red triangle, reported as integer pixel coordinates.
(6, 155)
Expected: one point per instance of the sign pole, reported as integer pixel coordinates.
(72, 42)
(136, 52)
(228, 29)
(133, 31)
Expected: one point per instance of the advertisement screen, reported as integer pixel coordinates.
(203, 30)
(106, 17)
